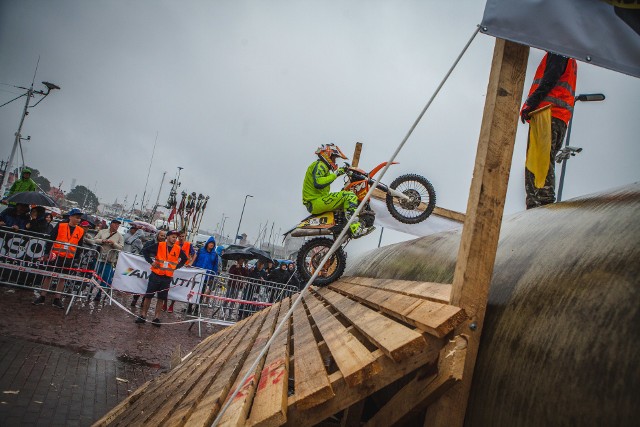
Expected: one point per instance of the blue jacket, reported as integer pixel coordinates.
(207, 260)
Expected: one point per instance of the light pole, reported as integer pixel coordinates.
(29, 94)
(240, 222)
(568, 151)
(224, 219)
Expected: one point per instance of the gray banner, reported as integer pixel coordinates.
(600, 32)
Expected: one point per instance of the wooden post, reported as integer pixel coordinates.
(481, 231)
(355, 160)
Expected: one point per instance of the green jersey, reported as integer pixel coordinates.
(317, 181)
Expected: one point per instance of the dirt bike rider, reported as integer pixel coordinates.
(316, 189)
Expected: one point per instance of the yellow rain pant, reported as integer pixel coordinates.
(539, 150)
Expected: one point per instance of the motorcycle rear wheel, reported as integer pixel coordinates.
(309, 257)
(420, 190)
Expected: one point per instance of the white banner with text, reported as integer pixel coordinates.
(132, 275)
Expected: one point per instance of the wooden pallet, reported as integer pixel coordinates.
(342, 344)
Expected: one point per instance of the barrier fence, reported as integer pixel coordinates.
(223, 299)
(26, 262)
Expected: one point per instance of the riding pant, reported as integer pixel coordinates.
(341, 200)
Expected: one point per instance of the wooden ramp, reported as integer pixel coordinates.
(343, 344)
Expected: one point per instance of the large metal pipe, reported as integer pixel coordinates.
(560, 344)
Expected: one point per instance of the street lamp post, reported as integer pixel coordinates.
(18, 136)
(568, 151)
(241, 214)
(224, 219)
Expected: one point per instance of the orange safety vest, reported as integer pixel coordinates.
(168, 260)
(186, 248)
(563, 96)
(65, 239)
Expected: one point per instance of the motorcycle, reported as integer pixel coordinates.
(410, 199)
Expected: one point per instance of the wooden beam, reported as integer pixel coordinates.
(355, 160)
(347, 395)
(422, 389)
(437, 211)
(479, 241)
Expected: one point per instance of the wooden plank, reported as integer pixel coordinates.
(311, 382)
(435, 318)
(346, 395)
(202, 403)
(423, 389)
(438, 211)
(355, 361)
(436, 292)
(237, 412)
(395, 339)
(179, 378)
(270, 402)
(481, 231)
(355, 160)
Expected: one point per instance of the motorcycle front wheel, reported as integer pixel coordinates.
(311, 254)
(422, 199)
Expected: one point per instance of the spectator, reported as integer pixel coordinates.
(269, 268)
(165, 258)
(49, 219)
(207, 259)
(238, 272)
(187, 248)
(15, 217)
(553, 84)
(25, 183)
(133, 240)
(37, 222)
(293, 276)
(110, 242)
(280, 274)
(161, 236)
(67, 237)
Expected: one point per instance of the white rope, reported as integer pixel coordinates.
(341, 236)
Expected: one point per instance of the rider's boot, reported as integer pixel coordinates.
(358, 230)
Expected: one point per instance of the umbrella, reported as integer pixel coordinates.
(145, 226)
(236, 254)
(32, 198)
(261, 255)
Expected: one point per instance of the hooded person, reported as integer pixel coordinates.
(133, 240)
(207, 259)
(24, 183)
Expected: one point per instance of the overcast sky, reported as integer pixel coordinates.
(241, 93)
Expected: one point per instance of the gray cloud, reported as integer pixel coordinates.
(242, 92)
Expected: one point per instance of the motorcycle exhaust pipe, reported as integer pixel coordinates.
(306, 232)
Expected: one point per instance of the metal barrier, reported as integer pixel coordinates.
(25, 263)
(232, 298)
(221, 299)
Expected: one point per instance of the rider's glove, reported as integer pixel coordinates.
(340, 171)
(524, 113)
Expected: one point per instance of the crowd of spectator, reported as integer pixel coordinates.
(74, 232)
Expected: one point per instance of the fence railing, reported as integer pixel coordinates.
(221, 299)
(26, 263)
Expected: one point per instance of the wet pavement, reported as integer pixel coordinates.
(70, 370)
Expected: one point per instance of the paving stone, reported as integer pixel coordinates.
(70, 363)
